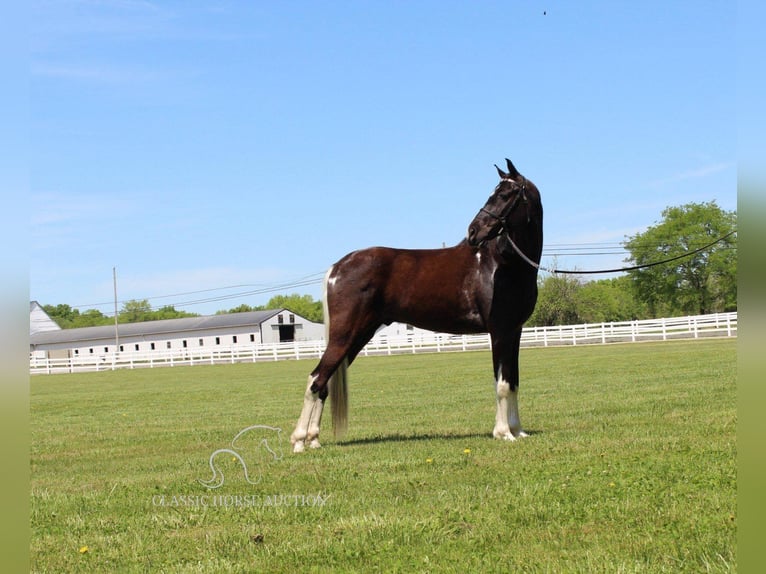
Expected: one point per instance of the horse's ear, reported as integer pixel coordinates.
(501, 173)
(512, 171)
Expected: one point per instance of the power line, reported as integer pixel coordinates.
(585, 249)
(313, 279)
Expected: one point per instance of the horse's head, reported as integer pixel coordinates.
(514, 203)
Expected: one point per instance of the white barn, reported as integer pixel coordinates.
(39, 320)
(231, 330)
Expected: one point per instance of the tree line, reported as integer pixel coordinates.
(701, 283)
(705, 282)
(137, 311)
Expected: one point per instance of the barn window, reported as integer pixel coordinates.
(183, 343)
(151, 346)
(106, 349)
(217, 340)
(136, 346)
(201, 342)
(77, 351)
(280, 319)
(90, 350)
(234, 339)
(252, 338)
(168, 345)
(292, 318)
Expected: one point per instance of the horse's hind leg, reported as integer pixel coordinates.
(307, 428)
(317, 389)
(350, 323)
(331, 370)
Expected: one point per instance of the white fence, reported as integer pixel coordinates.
(693, 327)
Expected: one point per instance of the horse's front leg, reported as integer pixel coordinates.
(505, 358)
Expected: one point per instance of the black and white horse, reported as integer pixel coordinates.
(481, 285)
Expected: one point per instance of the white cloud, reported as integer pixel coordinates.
(697, 173)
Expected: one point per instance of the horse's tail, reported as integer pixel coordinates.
(339, 399)
(339, 380)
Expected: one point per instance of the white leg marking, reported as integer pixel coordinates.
(507, 423)
(513, 415)
(314, 423)
(302, 427)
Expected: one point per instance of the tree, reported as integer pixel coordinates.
(701, 283)
(135, 311)
(243, 308)
(68, 318)
(609, 300)
(92, 318)
(556, 301)
(303, 305)
(169, 312)
(63, 314)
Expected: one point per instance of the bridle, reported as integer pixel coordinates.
(502, 217)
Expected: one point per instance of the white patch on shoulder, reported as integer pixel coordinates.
(331, 279)
(478, 256)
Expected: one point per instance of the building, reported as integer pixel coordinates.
(39, 320)
(226, 331)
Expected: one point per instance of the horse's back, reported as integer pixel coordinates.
(438, 289)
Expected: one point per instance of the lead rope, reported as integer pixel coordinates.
(521, 254)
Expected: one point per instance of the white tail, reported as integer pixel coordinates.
(339, 380)
(339, 399)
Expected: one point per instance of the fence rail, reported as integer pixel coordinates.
(691, 327)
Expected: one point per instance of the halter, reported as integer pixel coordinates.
(521, 196)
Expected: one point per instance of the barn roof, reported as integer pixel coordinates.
(39, 320)
(165, 326)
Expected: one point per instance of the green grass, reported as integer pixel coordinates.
(630, 467)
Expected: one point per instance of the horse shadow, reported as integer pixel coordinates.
(257, 444)
(398, 437)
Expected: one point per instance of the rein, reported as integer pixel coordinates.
(521, 254)
(505, 226)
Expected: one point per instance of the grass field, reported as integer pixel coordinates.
(630, 467)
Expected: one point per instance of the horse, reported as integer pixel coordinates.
(481, 285)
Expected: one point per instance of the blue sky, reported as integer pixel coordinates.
(218, 151)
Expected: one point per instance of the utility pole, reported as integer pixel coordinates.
(116, 331)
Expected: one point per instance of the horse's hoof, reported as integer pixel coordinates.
(315, 444)
(507, 435)
(298, 446)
